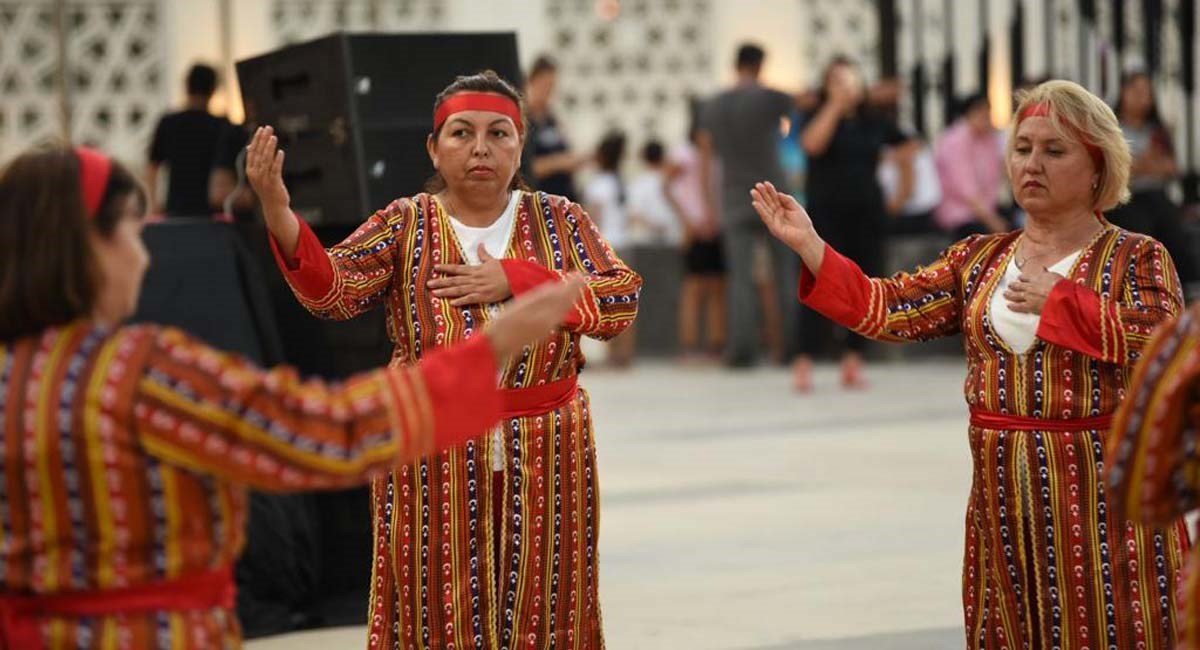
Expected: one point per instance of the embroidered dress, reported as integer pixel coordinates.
(492, 545)
(127, 454)
(1154, 474)
(1047, 562)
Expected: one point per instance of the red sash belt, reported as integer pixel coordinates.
(536, 400)
(21, 616)
(1004, 422)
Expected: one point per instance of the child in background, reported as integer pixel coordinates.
(653, 217)
(605, 202)
(704, 263)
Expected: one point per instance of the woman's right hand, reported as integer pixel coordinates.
(533, 316)
(264, 169)
(783, 216)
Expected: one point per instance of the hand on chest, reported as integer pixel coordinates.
(1016, 302)
(470, 275)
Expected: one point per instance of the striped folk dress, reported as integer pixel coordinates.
(1048, 562)
(493, 545)
(127, 453)
(1154, 473)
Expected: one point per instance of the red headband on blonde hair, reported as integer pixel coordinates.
(94, 170)
(1042, 109)
(474, 101)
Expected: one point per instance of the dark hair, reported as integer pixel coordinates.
(652, 152)
(970, 102)
(823, 95)
(610, 151)
(486, 81)
(48, 272)
(542, 65)
(750, 55)
(1152, 117)
(201, 80)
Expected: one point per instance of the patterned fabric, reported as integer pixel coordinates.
(126, 456)
(492, 545)
(1047, 562)
(1154, 475)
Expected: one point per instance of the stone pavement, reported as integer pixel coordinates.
(739, 516)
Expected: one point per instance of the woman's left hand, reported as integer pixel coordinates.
(1029, 293)
(472, 285)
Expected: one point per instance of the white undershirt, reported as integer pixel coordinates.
(495, 238)
(1019, 330)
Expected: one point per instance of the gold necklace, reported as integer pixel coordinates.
(1022, 261)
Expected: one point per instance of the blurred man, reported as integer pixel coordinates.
(741, 128)
(185, 142)
(970, 164)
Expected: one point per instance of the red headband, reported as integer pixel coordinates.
(1042, 109)
(94, 170)
(472, 101)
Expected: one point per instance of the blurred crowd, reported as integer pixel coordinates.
(840, 147)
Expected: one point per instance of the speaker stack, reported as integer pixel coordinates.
(353, 112)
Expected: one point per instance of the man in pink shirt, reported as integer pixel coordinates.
(970, 164)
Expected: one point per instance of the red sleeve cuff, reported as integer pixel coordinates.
(1071, 318)
(309, 271)
(524, 275)
(462, 385)
(840, 292)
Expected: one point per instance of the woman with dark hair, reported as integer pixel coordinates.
(552, 164)
(844, 140)
(1150, 211)
(494, 544)
(127, 451)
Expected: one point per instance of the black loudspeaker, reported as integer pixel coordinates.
(353, 110)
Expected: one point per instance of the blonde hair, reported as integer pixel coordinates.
(1078, 115)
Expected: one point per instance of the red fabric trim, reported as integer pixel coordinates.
(536, 400)
(1042, 109)
(1039, 109)
(524, 276)
(1006, 422)
(461, 382)
(1071, 318)
(475, 101)
(840, 292)
(94, 171)
(20, 616)
(310, 272)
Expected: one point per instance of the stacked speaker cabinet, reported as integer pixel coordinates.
(353, 112)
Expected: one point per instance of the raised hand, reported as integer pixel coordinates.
(264, 169)
(533, 316)
(783, 216)
(472, 285)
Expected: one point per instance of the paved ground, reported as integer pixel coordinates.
(738, 516)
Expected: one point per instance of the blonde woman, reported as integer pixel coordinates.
(1053, 319)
